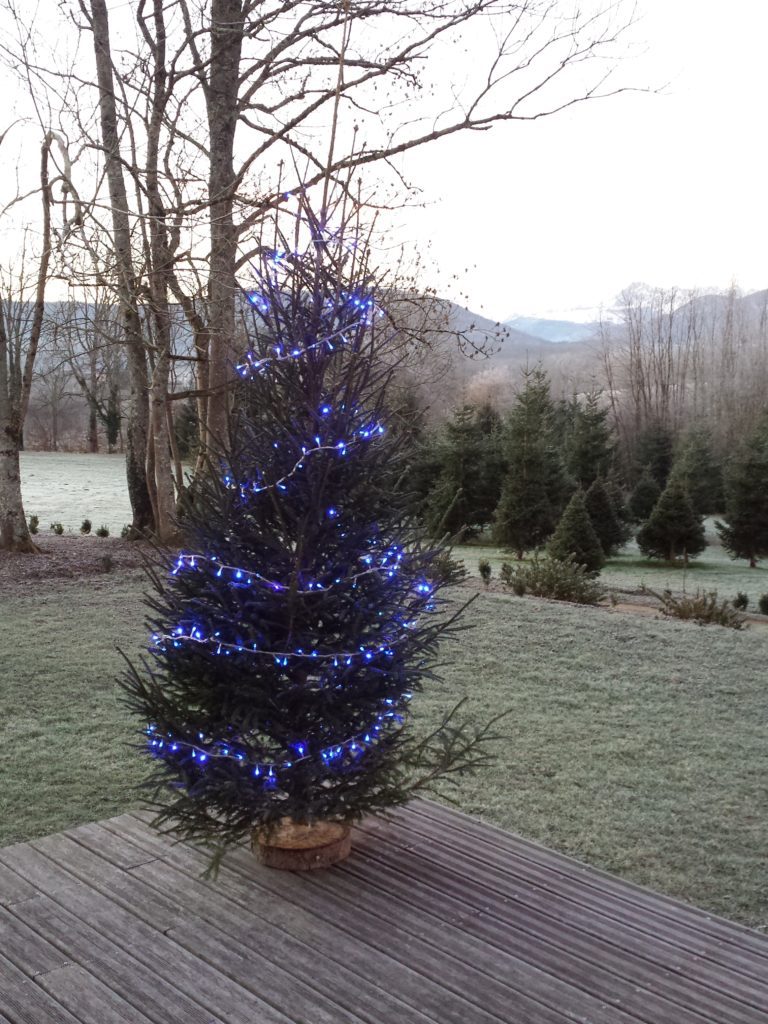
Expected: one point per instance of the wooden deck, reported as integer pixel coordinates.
(436, 919)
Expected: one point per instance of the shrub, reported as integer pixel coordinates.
(85, 526)
(484, 567)
(741, 601)
(557, 579)
(702, 608)
(57, 528)
(762, 604)
(126, 532)
(34, 524)
(447, 570)
(102, 531)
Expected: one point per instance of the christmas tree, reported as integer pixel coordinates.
(575, 537)
(744, 534)
(696, 468)
(673, 528)
(535, 486)
(467, 490)
(591, 446)
(602, 512)
(643, 498)
(291, 635)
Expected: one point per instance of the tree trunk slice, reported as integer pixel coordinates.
(292, 847)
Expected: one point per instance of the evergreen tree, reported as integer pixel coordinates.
(744, 534)
(290, 636)
(643, 498)
(673, 528)
(620, 507)
(575, 536)
(535, 486)
(602, 514)
(654, 452)
(468, 486)
(591, 449)
(696, 468)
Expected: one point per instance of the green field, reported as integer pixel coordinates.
(634, 744)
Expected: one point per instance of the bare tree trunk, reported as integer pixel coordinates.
(14, 533)
(138, 414)
(14, 394)
(93, 418)
(222, 95)
(161, 262)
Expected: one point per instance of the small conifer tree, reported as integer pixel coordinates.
(700, 473)
(290, 636)
(673, 529)
(535, 485)
(644, 496)
(744, 534)
(468, 486)
(575, 537)
(591, 445)
(602, 514)
(655, 452)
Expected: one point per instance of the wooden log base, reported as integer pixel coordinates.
(292, 847)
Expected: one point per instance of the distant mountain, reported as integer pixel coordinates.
(501, 339)
(556, 331)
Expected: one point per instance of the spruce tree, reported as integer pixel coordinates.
(644, 496)
(535, 486)
(673, 529)
(468, 485)
(654, 452)
(620, 507)
(290, 636)
(696, 468)
(744, 534)
(602, 514)
(575, 537)
(591, 448)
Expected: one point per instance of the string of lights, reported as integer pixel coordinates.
(340, 447)
(241, 577)
(202, 753)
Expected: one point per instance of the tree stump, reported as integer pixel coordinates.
(293, 847)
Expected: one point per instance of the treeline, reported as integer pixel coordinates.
(555, 473)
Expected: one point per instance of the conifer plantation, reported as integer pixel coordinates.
(290, 636)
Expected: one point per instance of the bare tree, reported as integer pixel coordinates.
(224, 109)
(21, 325)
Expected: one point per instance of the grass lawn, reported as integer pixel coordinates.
(630, 570)
(634, 744)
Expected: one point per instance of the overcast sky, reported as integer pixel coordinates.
(666, 189)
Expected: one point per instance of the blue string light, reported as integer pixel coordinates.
(167, 744)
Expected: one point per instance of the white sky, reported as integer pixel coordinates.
(666, 189)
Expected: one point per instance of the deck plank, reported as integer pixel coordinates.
(446, 818)
(436, 919)
(505, 874)
(533, 914)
